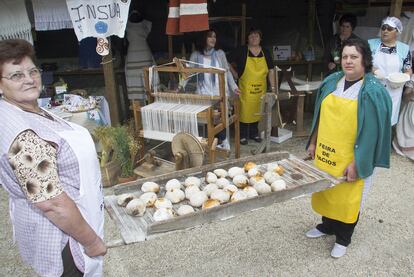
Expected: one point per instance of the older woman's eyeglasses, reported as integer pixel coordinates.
(388, 28)
(20, 75)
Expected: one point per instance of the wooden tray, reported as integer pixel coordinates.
(135, 229)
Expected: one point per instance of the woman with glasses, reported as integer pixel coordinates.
(351, 135)
(391, 56)
(347, 24)
(50, 169)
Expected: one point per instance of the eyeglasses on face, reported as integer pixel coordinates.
(19, 76)
(388, 28)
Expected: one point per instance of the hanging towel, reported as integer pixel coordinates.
(187, 16)
(14, 22)
(139, 56)
(51, 15)
(173, 21)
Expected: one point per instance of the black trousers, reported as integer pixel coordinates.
(342, 231)
(249, 130)
(69, 267)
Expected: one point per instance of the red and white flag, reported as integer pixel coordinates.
(187, 16)
(173, 21)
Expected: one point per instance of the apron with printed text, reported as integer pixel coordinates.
(390, 63)
(334, 152)
(90, 200)
(252, 84)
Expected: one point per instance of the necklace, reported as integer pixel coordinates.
(41, 112)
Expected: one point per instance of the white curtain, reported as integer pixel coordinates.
(14, 22)
(51, 15)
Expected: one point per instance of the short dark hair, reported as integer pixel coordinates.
(15, 50)
(201, 42)
(348, 18)
(363, 48)
(255, 30)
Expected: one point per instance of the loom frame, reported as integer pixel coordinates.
(206, 117)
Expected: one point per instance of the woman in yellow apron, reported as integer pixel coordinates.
(350, 137)
(254, 63)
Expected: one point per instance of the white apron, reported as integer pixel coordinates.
(90, 200)
(390, 63)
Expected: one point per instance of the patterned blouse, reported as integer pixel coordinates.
(34, 163)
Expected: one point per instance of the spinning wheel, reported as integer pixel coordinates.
(188, 150)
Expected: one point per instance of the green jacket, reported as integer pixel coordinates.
(373, 142)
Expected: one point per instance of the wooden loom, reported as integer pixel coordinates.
(215, 120)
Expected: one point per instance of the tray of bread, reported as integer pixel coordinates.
(187, 198)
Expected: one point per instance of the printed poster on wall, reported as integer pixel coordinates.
(98, 18)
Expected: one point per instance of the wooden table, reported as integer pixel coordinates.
(89, 73)
(300, 91)
(309, 65)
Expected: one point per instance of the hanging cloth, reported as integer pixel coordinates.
(14, 22)
(173, 21)
(252, 84)
(334, 152)
(138, 57)
(98, 18)
(187, 16)
(51, 15)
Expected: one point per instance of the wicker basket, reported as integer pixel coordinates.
(110, 173)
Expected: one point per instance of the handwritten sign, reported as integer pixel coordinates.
(98, 18)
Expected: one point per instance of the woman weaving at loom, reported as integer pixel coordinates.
(208, 55)
(351, 135)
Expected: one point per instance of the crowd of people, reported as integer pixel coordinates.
(51, 172)
(355, 110)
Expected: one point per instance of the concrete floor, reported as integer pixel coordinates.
(269, 241)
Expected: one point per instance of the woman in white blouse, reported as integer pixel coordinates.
(50, 169)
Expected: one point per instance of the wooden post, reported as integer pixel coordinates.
(311, 21)
(395, 9)
(170, 47)
(236, 105)
(110, 86)
(136, 109)
(223, 103)
(210, 134)
(243, 25)
(300, 131)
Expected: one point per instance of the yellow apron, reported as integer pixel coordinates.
(334, 152)
(252, 84)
